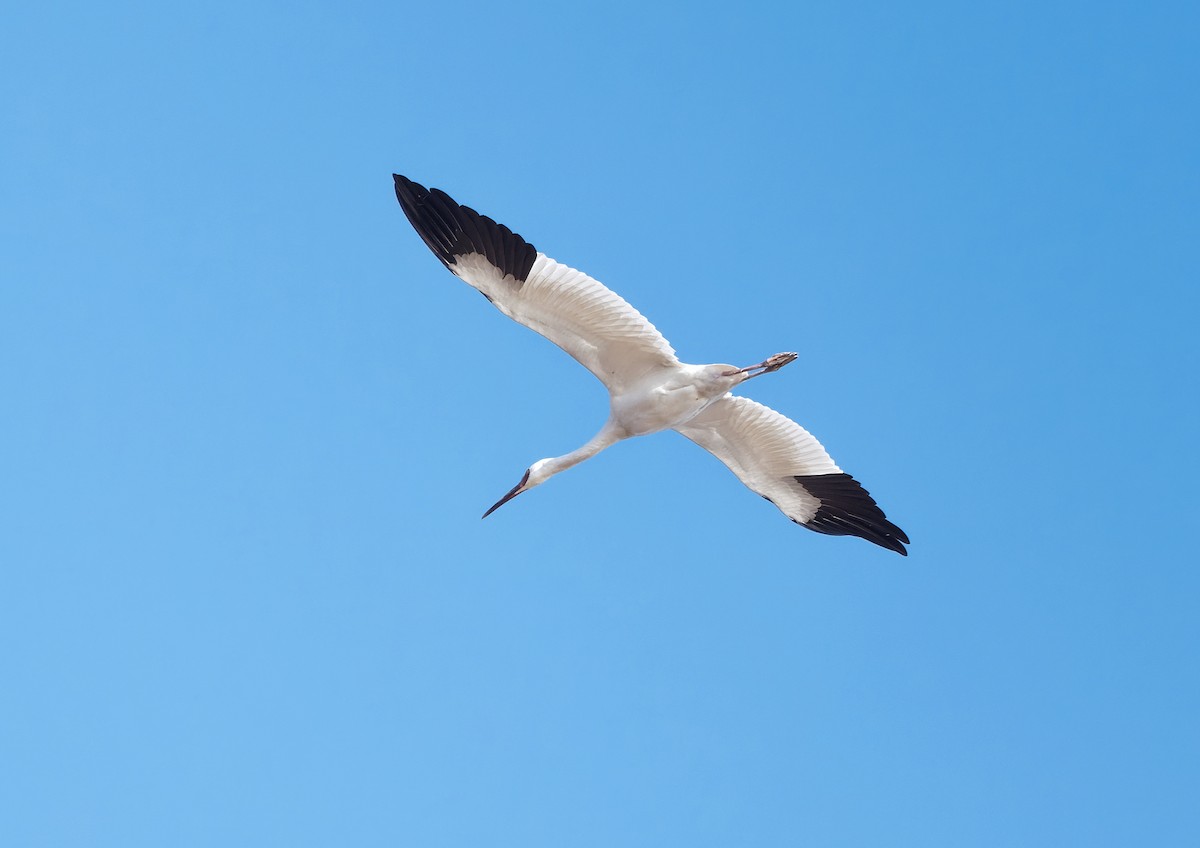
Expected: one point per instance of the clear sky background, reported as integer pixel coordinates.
(249, 425)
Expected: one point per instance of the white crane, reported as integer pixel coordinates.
(650, 389)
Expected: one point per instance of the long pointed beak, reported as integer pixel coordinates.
(513, 492)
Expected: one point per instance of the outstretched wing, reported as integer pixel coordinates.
(780, 460)
(587, 320)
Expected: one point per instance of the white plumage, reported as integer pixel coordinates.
(650, 389)
(592, 323)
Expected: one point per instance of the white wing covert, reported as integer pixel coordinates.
(780, 460)
(583, 317)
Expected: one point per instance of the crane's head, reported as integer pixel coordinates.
(535, 475)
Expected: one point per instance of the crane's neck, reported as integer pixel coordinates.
(608, 435)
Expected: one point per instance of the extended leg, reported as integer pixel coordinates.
(773, 363)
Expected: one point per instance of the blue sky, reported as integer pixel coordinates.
(250, 424)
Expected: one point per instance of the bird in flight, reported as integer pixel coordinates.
(650, 389)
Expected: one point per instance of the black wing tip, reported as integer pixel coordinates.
(451, 230)
(408, 191)
(847, 509)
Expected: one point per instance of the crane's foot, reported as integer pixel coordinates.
(773, 363)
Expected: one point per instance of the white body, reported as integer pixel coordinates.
(667, 397)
